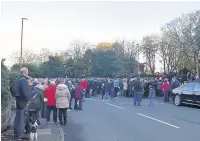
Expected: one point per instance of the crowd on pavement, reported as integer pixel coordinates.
(37, 97)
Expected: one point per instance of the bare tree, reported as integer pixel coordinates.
(78, 48)
(181, 32)
(150, 47)
(28, 57)
(44, 55)
(169, 54)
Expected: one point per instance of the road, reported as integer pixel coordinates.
(119, 120)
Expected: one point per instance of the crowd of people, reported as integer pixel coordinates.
(40, 96)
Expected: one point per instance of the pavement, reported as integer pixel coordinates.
(119, 120)
(50, 131)
(46, 131)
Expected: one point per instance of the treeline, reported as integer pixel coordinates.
(105, 60)
(178, 45)
(176, 48)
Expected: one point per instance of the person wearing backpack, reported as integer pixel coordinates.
(34, 106)
(36, 102)
(20, 90)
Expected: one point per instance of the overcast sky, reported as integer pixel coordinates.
(54, 24)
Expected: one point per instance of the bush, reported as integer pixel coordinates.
(6, 98)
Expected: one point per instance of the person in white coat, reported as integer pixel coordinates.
(62, 101)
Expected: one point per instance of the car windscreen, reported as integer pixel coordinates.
(188, 87)
(197, 87)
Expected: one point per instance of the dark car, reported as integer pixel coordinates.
(188, 93)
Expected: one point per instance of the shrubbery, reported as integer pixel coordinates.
(6, 98)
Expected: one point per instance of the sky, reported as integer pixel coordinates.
(54, 25)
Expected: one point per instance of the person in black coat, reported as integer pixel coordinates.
(21, 103)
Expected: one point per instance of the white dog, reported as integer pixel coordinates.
(33, 134)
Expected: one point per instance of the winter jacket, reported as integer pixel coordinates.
(78, 92)
(49, 93)
(125, 86)
(84, 84)
(62, 96)
(116, 83)
(159, 85)
(138, 86)
(121, 85)
(166, 87)
(107, 87)
(94, 85)
(152, 93)
(154, 84)
(24, 91)
(37, 98)
(175, 84)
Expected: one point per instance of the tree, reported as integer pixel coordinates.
(104, 63)
(182, 33)
(104, 45)
(78, 48)
(44, 55)
(150, 47)
(52, 68)
(27, 57)
(32, 68)
(87, 60)
(6, 99)
(169, 54)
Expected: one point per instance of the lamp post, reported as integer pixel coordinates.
(22, 40)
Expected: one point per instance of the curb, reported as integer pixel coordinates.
(61, 138)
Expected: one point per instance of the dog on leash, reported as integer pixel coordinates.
(33, 134)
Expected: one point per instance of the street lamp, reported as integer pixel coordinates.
(138, 61)
(22, 40)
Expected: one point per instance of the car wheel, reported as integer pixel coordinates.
(177, 100)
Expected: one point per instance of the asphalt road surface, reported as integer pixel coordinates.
(119, 120)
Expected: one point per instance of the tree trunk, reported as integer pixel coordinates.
(197, 63)
(164, 65)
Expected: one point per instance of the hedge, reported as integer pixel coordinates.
(6, 98)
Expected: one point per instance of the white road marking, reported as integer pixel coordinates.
(114, 106)
(91, 99)
(159, 121)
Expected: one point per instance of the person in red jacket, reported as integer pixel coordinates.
(49, 94)
(84, 84)
(166, 89)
